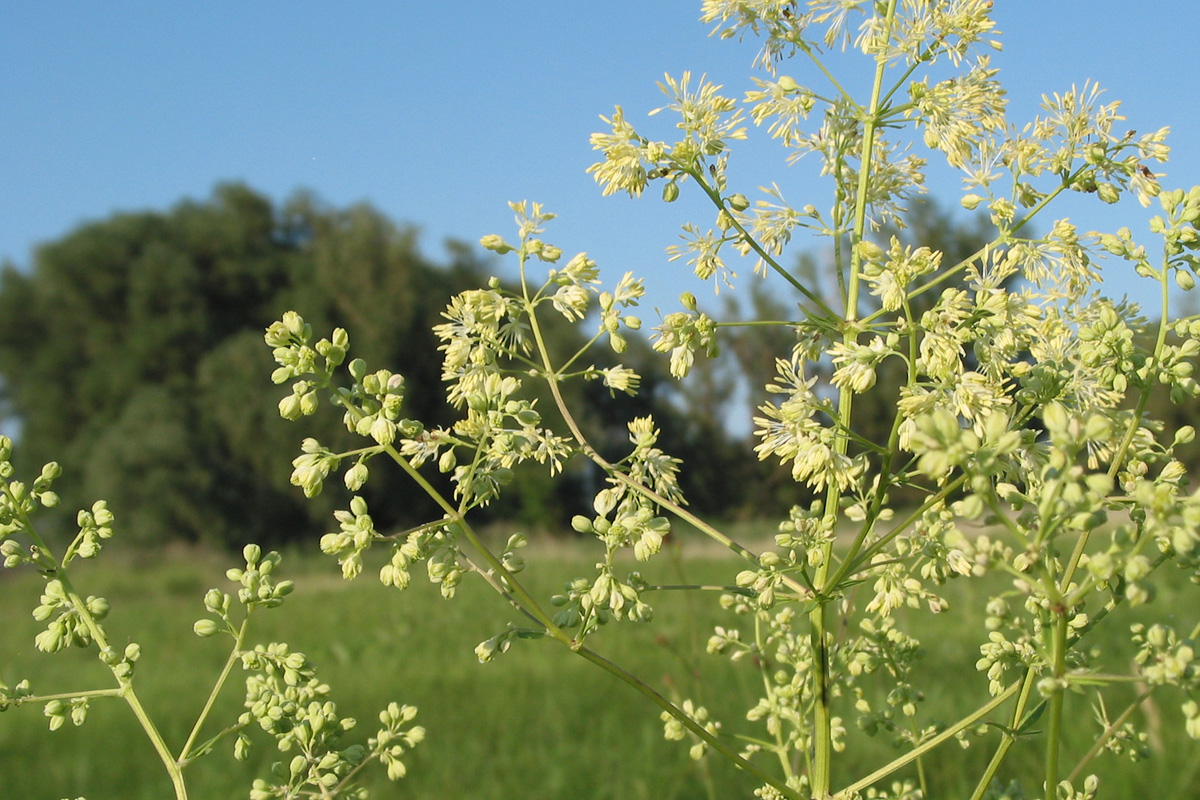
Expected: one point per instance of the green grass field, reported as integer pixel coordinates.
(536, 723)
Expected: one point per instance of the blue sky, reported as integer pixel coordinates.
(440, 112)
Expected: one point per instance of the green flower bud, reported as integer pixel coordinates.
(788, 84)
(670, 192)
(206, 627)
(869, 251)
(241, 747)
(356, 476)
(383, 430)
(1108, 193)
(289, 407)
(495, 243)
(98, 607)
(971, 201)
(738, 202)
(529, 417)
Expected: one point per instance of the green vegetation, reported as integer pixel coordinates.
(988, 537)
(538, 724)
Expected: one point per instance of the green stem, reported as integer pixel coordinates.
(943, 737)
(46, 698)
(851, 566)
(827, 314)
(947, 274)
(821, 778)
(552, 380)
(186, 754)
(1009, 738)
(689, 723)
(1109, 732)
(124, 684)
(1135, 423)
(1054, 726)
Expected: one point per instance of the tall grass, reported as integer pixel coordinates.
(537, 723)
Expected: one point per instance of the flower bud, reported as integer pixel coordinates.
(205, 627)
(670, 192)
(356, 476)
(383, 430)
(869, 251)
(495, 243)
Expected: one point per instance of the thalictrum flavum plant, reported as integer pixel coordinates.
(1021, 427)
(283, 696)
(1021, 412)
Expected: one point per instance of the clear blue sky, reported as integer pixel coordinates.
(440, 112)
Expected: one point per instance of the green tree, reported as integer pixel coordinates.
(131, 351)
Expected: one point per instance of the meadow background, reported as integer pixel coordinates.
(536, 723)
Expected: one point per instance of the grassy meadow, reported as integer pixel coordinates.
(537, 723)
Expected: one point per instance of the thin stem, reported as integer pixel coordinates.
(1109, 732)
(1136, 421)
(947, 274)
(827, 313)
(696, 587)
(124, 683)
(186, 755)
(1009, 737)
(552, 380)
(689, 723)
(941, 738)
(45, 698)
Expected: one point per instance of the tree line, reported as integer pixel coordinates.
(131, 352)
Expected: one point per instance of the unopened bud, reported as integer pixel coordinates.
(495, 243)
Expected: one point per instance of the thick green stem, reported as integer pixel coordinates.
(1054, 724)
(821, 779)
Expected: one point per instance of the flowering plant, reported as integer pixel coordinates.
(1021, 425)
(1023, 407)
(283, 698)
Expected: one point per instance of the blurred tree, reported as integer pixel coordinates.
(132, 352)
